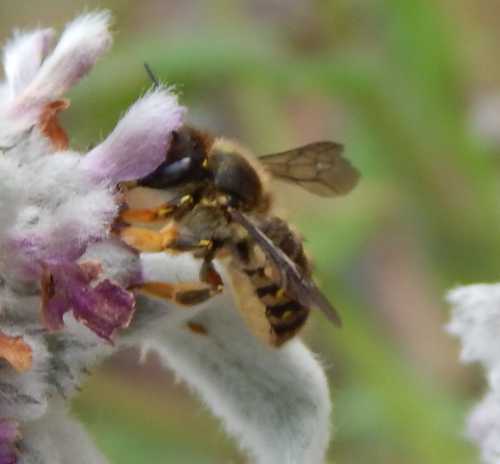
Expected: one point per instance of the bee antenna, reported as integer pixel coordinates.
(152, 75)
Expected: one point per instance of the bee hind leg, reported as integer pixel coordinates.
(170, 239)
(181, 293)
(209, 274)
(205, 249)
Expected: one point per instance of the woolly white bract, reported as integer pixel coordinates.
(65, 279)
(476, 322)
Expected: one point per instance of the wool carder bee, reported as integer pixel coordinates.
(221, 207)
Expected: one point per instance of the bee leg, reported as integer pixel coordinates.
(205, 249)
(148, 240)
(181, 293)
(160, 213)
(170, 239)
(197, 328)
(208, 273)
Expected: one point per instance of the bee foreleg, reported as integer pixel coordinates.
(160, 213)
(148, 240)
(169, 238)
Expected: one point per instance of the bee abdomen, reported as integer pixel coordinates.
(270, 289)
(285, 316)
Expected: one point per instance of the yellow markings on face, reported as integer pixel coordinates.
(208, 244)
(209, 202)
(205, 163)
(187, 200)
(223, 200)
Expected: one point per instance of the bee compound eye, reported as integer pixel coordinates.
(233, 201)
(168, 174)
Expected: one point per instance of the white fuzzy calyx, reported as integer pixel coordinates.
(59, 257)
(475, 321)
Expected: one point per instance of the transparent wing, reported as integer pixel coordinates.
(298, 286)
(318, 167)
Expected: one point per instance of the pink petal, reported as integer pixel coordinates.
(115, 311)
(9, 434)
(23, 57)
(9, 431)
(83, 41)
(103, 309)
(139, 142)
(8, 454)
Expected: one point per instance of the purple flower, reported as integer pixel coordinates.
(139, 142)
(9, 434)
(23, 56)
(58, 209)
(104, 307)
(35, 82)
(57, 203)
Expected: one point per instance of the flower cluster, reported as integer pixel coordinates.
(56, 204)
(476, 322)
(65, 278)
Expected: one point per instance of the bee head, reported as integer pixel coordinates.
(183, 161)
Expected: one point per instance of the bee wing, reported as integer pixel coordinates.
(318, 167)
(298, 286)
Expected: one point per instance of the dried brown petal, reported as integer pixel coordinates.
(16, 352)
(49, 124)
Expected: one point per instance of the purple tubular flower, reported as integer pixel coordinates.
(49, 244)
(65, 202)
(135, 148)
(23, 56)
(9, 434)
(8, 455)
(139, 142)
(32, 253)
(103, 308)
(83, 41)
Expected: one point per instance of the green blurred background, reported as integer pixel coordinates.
(411, 87)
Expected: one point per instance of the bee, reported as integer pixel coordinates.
(221, 207)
